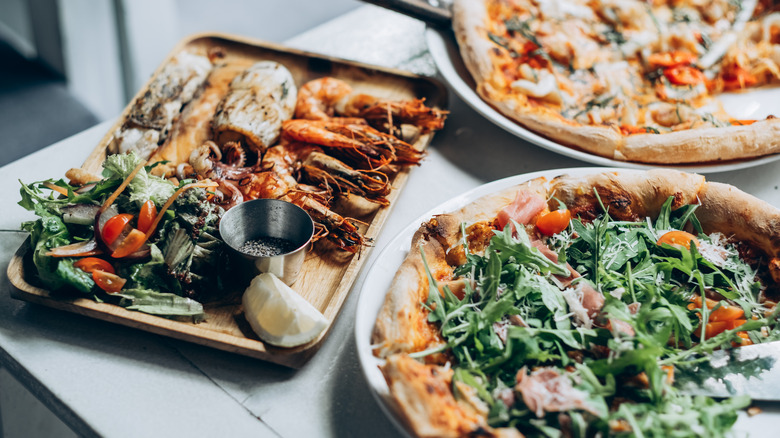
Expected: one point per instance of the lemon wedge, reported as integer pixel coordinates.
(279, 315)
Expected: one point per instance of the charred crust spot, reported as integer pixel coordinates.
(215, 53)
(480, 431)
(429, 228)
(678, 200)
(429, 388)
(586, 212)
(774, 269)
(620, 203)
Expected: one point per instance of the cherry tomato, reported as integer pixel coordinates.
(678, 238)
(742, 122)
(727, 313)
(738, 78)
(671, 59)
(554, 222)
(110, 283)
(684, 75)
(92, 264)
(736, 323)
(130, 244)
(114, 227)
(146, 215)
(714, 328)
(744, 339)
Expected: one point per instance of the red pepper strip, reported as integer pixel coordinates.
(56, 188)
(121, 188)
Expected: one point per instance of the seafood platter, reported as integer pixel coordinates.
(223, 121)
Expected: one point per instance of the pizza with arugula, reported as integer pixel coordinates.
(566, 307)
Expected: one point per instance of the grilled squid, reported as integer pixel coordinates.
(258, 101)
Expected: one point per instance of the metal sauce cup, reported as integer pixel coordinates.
(264, 218)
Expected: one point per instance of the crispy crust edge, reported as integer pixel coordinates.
(398, 319)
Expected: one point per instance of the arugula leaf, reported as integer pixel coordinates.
(522, 251)
(516, 317)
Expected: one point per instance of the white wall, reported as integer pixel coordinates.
(15, 26)
(153, 27)
(109, 48)
(92, 61)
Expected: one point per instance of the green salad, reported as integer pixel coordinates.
(131, 239)
(542, 360)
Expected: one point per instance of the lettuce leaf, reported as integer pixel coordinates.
(144, 186)
(160, 303)
(56, 273)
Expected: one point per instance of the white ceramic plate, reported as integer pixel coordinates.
(381, 273)
(750, 105)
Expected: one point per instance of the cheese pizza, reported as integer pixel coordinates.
(628, 80)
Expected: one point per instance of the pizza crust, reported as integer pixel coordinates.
(726, 209)
(703, 145)
(629, 195)
(468, 18)
(401, 326)
(427, 403)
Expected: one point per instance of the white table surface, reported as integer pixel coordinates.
(107, 380)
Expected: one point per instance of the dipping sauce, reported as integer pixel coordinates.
(267, 247)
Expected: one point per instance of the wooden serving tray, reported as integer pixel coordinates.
(324, 282)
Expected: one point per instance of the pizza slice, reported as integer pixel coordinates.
(564, 306)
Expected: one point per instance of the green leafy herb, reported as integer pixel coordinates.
(187, 255)
(514, 316)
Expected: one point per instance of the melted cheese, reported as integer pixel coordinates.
(563, 9)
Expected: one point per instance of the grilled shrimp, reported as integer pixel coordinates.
(278, 175)
(361, 146)
(206, 162)
(288, 165)
(404, 152)
(333, 175)
(387, 115)
(317, 99)
(325, 98)
(340, 231)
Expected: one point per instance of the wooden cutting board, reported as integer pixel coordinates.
(324, 282)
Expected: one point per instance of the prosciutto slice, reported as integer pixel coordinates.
(524, 208)
(546, 390)
(585, 301)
